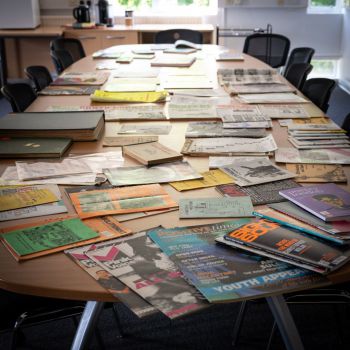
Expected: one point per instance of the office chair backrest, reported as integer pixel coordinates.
(346, 124)
(319, 91)
(269, 48)
(62, 59)
(300, 55)
(73, 46)
(39, 75)
(20, 95)
(171, 35)
(297, 74)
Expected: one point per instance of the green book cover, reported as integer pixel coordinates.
(44, 237)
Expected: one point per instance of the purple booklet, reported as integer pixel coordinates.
(329, 202)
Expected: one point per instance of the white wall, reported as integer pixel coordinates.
(323, 32)
(345, 61)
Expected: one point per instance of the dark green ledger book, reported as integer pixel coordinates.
(33, 147)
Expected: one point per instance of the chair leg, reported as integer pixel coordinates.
(16, 330)
(238, 323)
(273, 329)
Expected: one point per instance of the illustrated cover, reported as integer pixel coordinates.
(339, 228)
(121, 200)
(313, 156)
(215, 207)
(176, 61)
(210, 178)
(28, 147)
(215, 129)
(136, 175)
(81, 78)
(52, 235)
(289, 245)
(259, 194)
(139, 263)
(248, 172)
(221, 273)
(68, 90)
(317, 172)
(133, 301)
(152, 153)
(328, 201)
(228, 145)
(106, 228)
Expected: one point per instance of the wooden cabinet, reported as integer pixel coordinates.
(94, 40)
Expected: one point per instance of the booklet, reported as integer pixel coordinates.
(239, 115)
(215, 207)
(81, 78)
(121, 200)
(144, 268)
(136, 175)
(247, 172)
(309, 156)
(286, 97)
(192, 108)
(147, 129)
(127, 140)
(328, 201)
(317, 172)
(173, 61)
(68, 90)
(215, 129)
(221, 273)
(262, 88)
(274, 240)
(284, 111)
(218, 162)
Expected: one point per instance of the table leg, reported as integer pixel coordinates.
(87, 324)
(285, 322)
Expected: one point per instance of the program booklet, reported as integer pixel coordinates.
(144, 268)
(215, 207)
(228, 145)
(81, 78)
(328, 201)
(313, 156)
(248, 172)
(259, 194)
(215, 129)
(152, 153)
(317, 172)
(270, 239)
(68, 90)
(221, 273)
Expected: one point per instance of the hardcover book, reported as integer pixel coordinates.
(79, 126)
(221, 273)
(152, 153)
(259, 194)
(327, 201)
(139, 263)
(33, 147)
(273, 240)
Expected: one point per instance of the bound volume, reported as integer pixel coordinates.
(79, 126)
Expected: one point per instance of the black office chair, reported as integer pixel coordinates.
(73, 46)
(346, 124)
(20, 95)
(171, 35)
(62, 59)
(297, 74)
(319, 91)
(39, 75)
(269, 48)
(299, 55)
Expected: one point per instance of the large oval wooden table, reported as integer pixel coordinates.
(57, 276)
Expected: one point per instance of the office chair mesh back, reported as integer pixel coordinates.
(346, 124)
(171, 35)
(39, 75)
(297, 74)
(62, 59)
(20, 95)
(319, 91)
(269, 48)
(300, 55)
(73, 46)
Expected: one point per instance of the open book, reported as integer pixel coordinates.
(186, 44)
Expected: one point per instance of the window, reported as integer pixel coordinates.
(326, 6)
(165, 7)
(324, 68)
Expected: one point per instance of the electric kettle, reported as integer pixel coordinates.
(82, 13)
